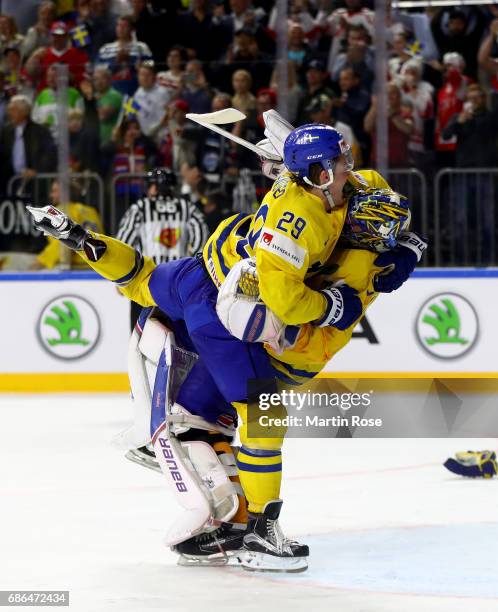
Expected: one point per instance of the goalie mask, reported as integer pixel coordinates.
(375, 219)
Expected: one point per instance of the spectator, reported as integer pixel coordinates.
(245, 54)
(355, 13)
(38, 35)
(45, 106)
(488, 54)
(475, 128)
(175, 146)
(294, 91)
(460, 30)
(83, 143)
(255, 125)
(245, 16)
(83, 214)
(100, 22)
(22, 11)
(298, 50)
(203, 37)
(450, 99)
(316, 81)
(9, 36)
(13, 70)
(420, 25)
(420, 94)
(399, 55)
(109, 103)
(400, 127)
(61, 51)
(358, 55)
(196, 90)
(172, 78)
(215, 207)
(146, 28)
(33, 73)
(243, 100)
(123, 56)
(25, 147)
(129, 152)
(215, 157)
(152, 99)
(320, 110)
(193, 184)
(352, 105)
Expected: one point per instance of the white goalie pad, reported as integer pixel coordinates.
(242, 312)
(199, 481)
(143, 356)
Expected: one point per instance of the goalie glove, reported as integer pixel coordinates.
(400, 262)
(53, 222)
(344, 307)
(473, 464)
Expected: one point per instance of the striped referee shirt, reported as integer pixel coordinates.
(164, 228)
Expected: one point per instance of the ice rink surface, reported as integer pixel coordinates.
(389, 529)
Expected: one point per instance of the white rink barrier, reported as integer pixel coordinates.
(68, 331)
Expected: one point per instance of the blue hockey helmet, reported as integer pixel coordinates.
(315, 143)
(375, 219)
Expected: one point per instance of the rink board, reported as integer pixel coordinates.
(69, 331)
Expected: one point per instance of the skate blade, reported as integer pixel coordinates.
(260, 562)
(217, 560)
(146, 462)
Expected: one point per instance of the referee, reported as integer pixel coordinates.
(163, 225)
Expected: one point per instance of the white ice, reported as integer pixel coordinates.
(389, 529)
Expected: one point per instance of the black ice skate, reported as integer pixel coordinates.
(223, 546)
(144, 456)
(267, 549)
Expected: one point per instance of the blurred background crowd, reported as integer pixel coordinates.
(136, 68)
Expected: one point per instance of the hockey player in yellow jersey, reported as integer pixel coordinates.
(297, 226)
(287, 250)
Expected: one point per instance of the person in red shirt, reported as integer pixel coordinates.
(61, 51)
(450, 99)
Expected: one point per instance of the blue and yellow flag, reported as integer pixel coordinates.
(415, 49)
(130, 108)
(80, 36)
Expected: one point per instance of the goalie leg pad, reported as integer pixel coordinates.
(201, 484)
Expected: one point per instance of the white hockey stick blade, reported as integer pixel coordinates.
(226, 115)
(199, 118)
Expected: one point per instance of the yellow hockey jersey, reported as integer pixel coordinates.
(292, 237)
(317, 345)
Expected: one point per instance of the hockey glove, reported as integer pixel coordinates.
(400, 261)
(343, 307)
(53, 222)
(473, 464)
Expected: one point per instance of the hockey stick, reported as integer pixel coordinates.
(229, 115)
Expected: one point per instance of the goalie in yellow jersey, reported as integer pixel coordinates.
(292, 237)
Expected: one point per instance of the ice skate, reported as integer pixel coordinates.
(267, 549)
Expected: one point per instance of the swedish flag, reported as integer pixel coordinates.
(130, 107)
(80, 36)
(415, 49)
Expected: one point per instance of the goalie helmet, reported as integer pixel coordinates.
(375, 218)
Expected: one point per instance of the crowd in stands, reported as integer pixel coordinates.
(136, 68)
